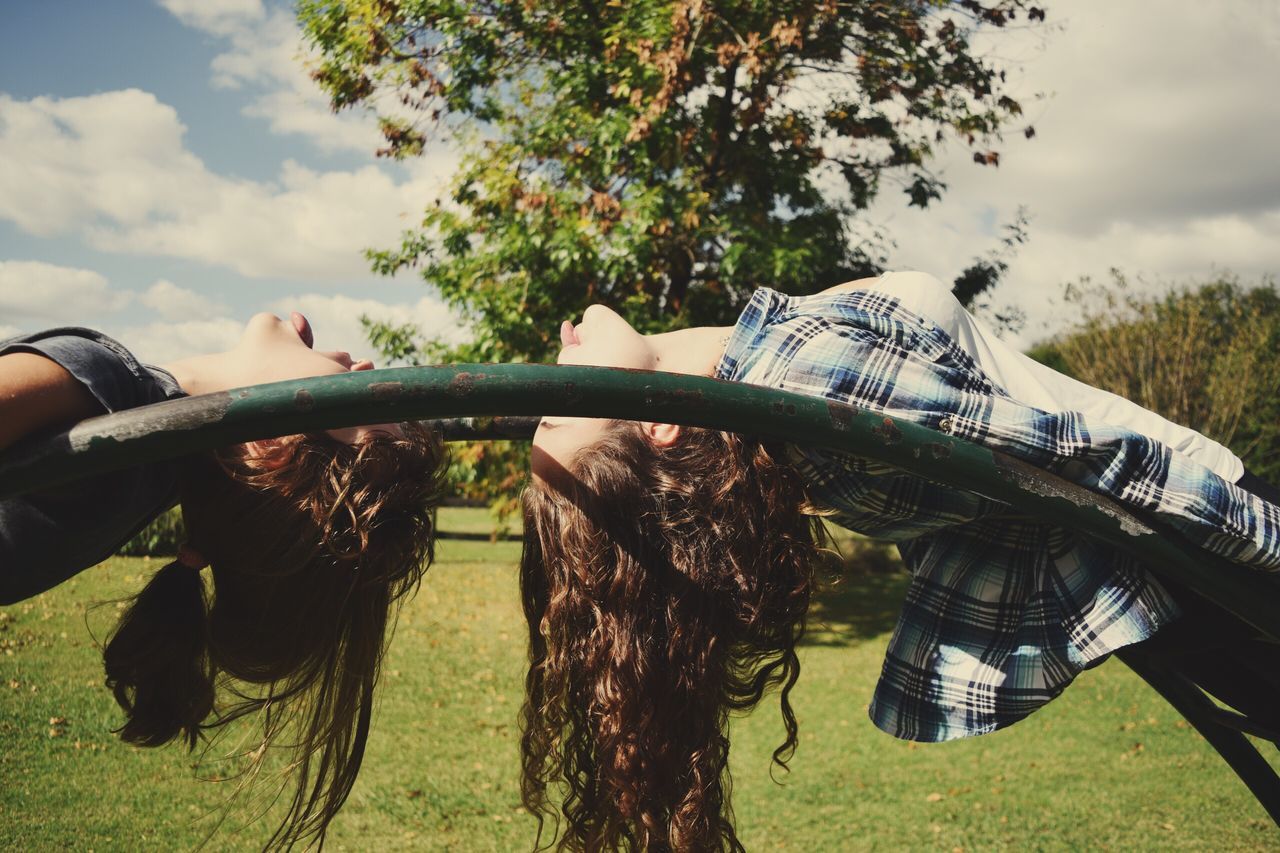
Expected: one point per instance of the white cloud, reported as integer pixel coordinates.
(115, 157)
(267, 58)
(177, 303)
(309, 116)
(335, 320)
(1151, 117)
(113, 168)
(44, 294)
(165, 342)
(40, 295)
(1153, 153)
(308, 226)
(216, 16)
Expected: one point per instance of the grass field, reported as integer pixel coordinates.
(1108, 766)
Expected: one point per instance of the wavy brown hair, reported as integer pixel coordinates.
(664, 587)
(312, 542)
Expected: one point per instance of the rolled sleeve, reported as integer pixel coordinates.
(47, 537)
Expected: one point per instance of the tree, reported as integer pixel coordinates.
(1205, 356)
(664, 156)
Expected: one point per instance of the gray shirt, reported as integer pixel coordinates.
(49, 536)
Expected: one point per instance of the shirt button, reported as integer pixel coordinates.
(945, 424)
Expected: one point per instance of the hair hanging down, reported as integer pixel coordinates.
(311, 543)
(663, 588)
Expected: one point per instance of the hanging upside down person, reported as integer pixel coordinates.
(311, 541)
(667, 570)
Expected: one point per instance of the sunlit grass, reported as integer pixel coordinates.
(1107, 766)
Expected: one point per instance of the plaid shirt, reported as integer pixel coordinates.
(1003, 610)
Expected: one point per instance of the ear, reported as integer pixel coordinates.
(660, 435)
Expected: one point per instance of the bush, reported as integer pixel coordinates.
(160, 538)
(1205, 356)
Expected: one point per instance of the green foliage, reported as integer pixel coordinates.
(665, 157)
(1206, 356)
(490, 471)
(487, 471)
(971, 286)
(1048, 354)
(160, 538)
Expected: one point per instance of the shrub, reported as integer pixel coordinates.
(1205, 356)
(160, 538)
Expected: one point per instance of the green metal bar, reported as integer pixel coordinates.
(486, 428)
(492, 401)
(178, 427)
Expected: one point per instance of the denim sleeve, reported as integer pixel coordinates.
(103, 365)
(47, 537)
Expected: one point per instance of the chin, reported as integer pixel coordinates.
(570, 355)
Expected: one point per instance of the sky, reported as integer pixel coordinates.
(167, 170)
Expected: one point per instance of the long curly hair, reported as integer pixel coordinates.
(312, 542)
(664, 587)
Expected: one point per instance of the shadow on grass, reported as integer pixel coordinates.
(858, 597)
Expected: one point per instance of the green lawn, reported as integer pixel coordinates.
(1108, 766)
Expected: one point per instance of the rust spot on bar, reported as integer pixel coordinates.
(939, 451)
(386, 390)
(173, 416)
(780, 408)
(303, 401)
(464, 383)
(1031, 479)
(841, 415)
(887, 431)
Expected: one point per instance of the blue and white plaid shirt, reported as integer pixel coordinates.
(1003, 610)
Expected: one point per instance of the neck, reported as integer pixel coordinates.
(199, 374)
(694, 351)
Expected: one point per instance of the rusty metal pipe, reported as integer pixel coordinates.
(179, 427)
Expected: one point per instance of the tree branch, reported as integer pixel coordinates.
(724, 126)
